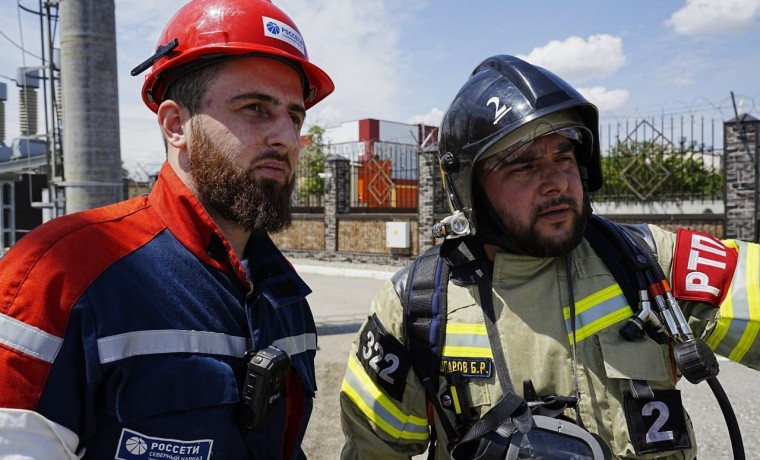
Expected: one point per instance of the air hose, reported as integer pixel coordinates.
(734, 433)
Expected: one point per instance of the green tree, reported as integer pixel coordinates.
(647, 171)
(311, 163)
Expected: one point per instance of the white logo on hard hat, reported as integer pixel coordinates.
(281, 31)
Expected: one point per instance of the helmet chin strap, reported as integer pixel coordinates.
(491, 229)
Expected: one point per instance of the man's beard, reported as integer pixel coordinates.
(256, 205)
(533, 243)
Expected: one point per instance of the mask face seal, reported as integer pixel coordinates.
(548, 438)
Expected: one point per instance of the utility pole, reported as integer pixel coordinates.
(91, 146)
(55, 159)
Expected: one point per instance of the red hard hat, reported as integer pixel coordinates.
(211, 29)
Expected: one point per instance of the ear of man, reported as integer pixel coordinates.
(173, 120)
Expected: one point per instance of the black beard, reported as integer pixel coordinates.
(256, 205)
(536, 245)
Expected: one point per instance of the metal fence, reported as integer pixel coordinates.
(383, 177)
(672, 158)
(667, 159)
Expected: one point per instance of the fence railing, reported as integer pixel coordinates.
(668, 159)
(671, 159)
(383, 176)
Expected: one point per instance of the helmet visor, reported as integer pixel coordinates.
(491, 162)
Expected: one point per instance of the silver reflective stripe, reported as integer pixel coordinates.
(297, 344)
(460, 340)
(157, 342)
(737, 327)
(28, 340)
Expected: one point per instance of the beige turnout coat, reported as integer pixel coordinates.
(530, 297)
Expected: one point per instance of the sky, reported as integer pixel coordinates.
(405, 60)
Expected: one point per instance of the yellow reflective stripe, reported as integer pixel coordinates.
(378, 397)
(608, 302)
(724, 322)
(467, 352)
(455, 398)
(600, 324)
(594, 299)
(466, 328)
(753, 296)
(467, 340)
(738, 327)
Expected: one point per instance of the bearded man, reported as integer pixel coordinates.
(171, 322)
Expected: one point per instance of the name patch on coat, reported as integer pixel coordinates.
(469, 367)
(134, 445)
(703, 267)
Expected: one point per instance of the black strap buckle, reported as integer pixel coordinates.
(162, 51)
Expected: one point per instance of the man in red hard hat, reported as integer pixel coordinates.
(170, 326)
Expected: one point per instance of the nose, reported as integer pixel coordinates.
(283, 135)
(554, 179)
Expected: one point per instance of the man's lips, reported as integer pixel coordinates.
(555, 213)
(272, 168)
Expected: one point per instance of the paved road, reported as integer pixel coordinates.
(340, 302)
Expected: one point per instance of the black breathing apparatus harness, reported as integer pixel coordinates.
(532, 426)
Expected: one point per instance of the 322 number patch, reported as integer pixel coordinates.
(384, 358)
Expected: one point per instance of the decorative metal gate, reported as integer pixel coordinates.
(644, 162)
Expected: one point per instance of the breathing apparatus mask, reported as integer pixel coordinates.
(535, 429)
(548, 438)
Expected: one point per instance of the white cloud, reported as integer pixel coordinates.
(357, 44)
(606, 100)
(707, 17)
(324, 115)
(579, 60)
(432, 118)
(682, 81)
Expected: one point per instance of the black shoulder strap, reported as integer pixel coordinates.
(424, 297)
(620, 254)
(424, 300)
(425, 311)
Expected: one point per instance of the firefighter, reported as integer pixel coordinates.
(549, 315)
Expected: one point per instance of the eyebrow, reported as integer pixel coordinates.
(531, 155)
(293, 107)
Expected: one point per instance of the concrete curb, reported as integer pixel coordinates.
(328, 270)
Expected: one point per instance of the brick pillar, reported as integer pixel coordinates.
(427, 167)
(740, 137)
(337, 195)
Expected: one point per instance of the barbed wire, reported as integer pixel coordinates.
(700, 106)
